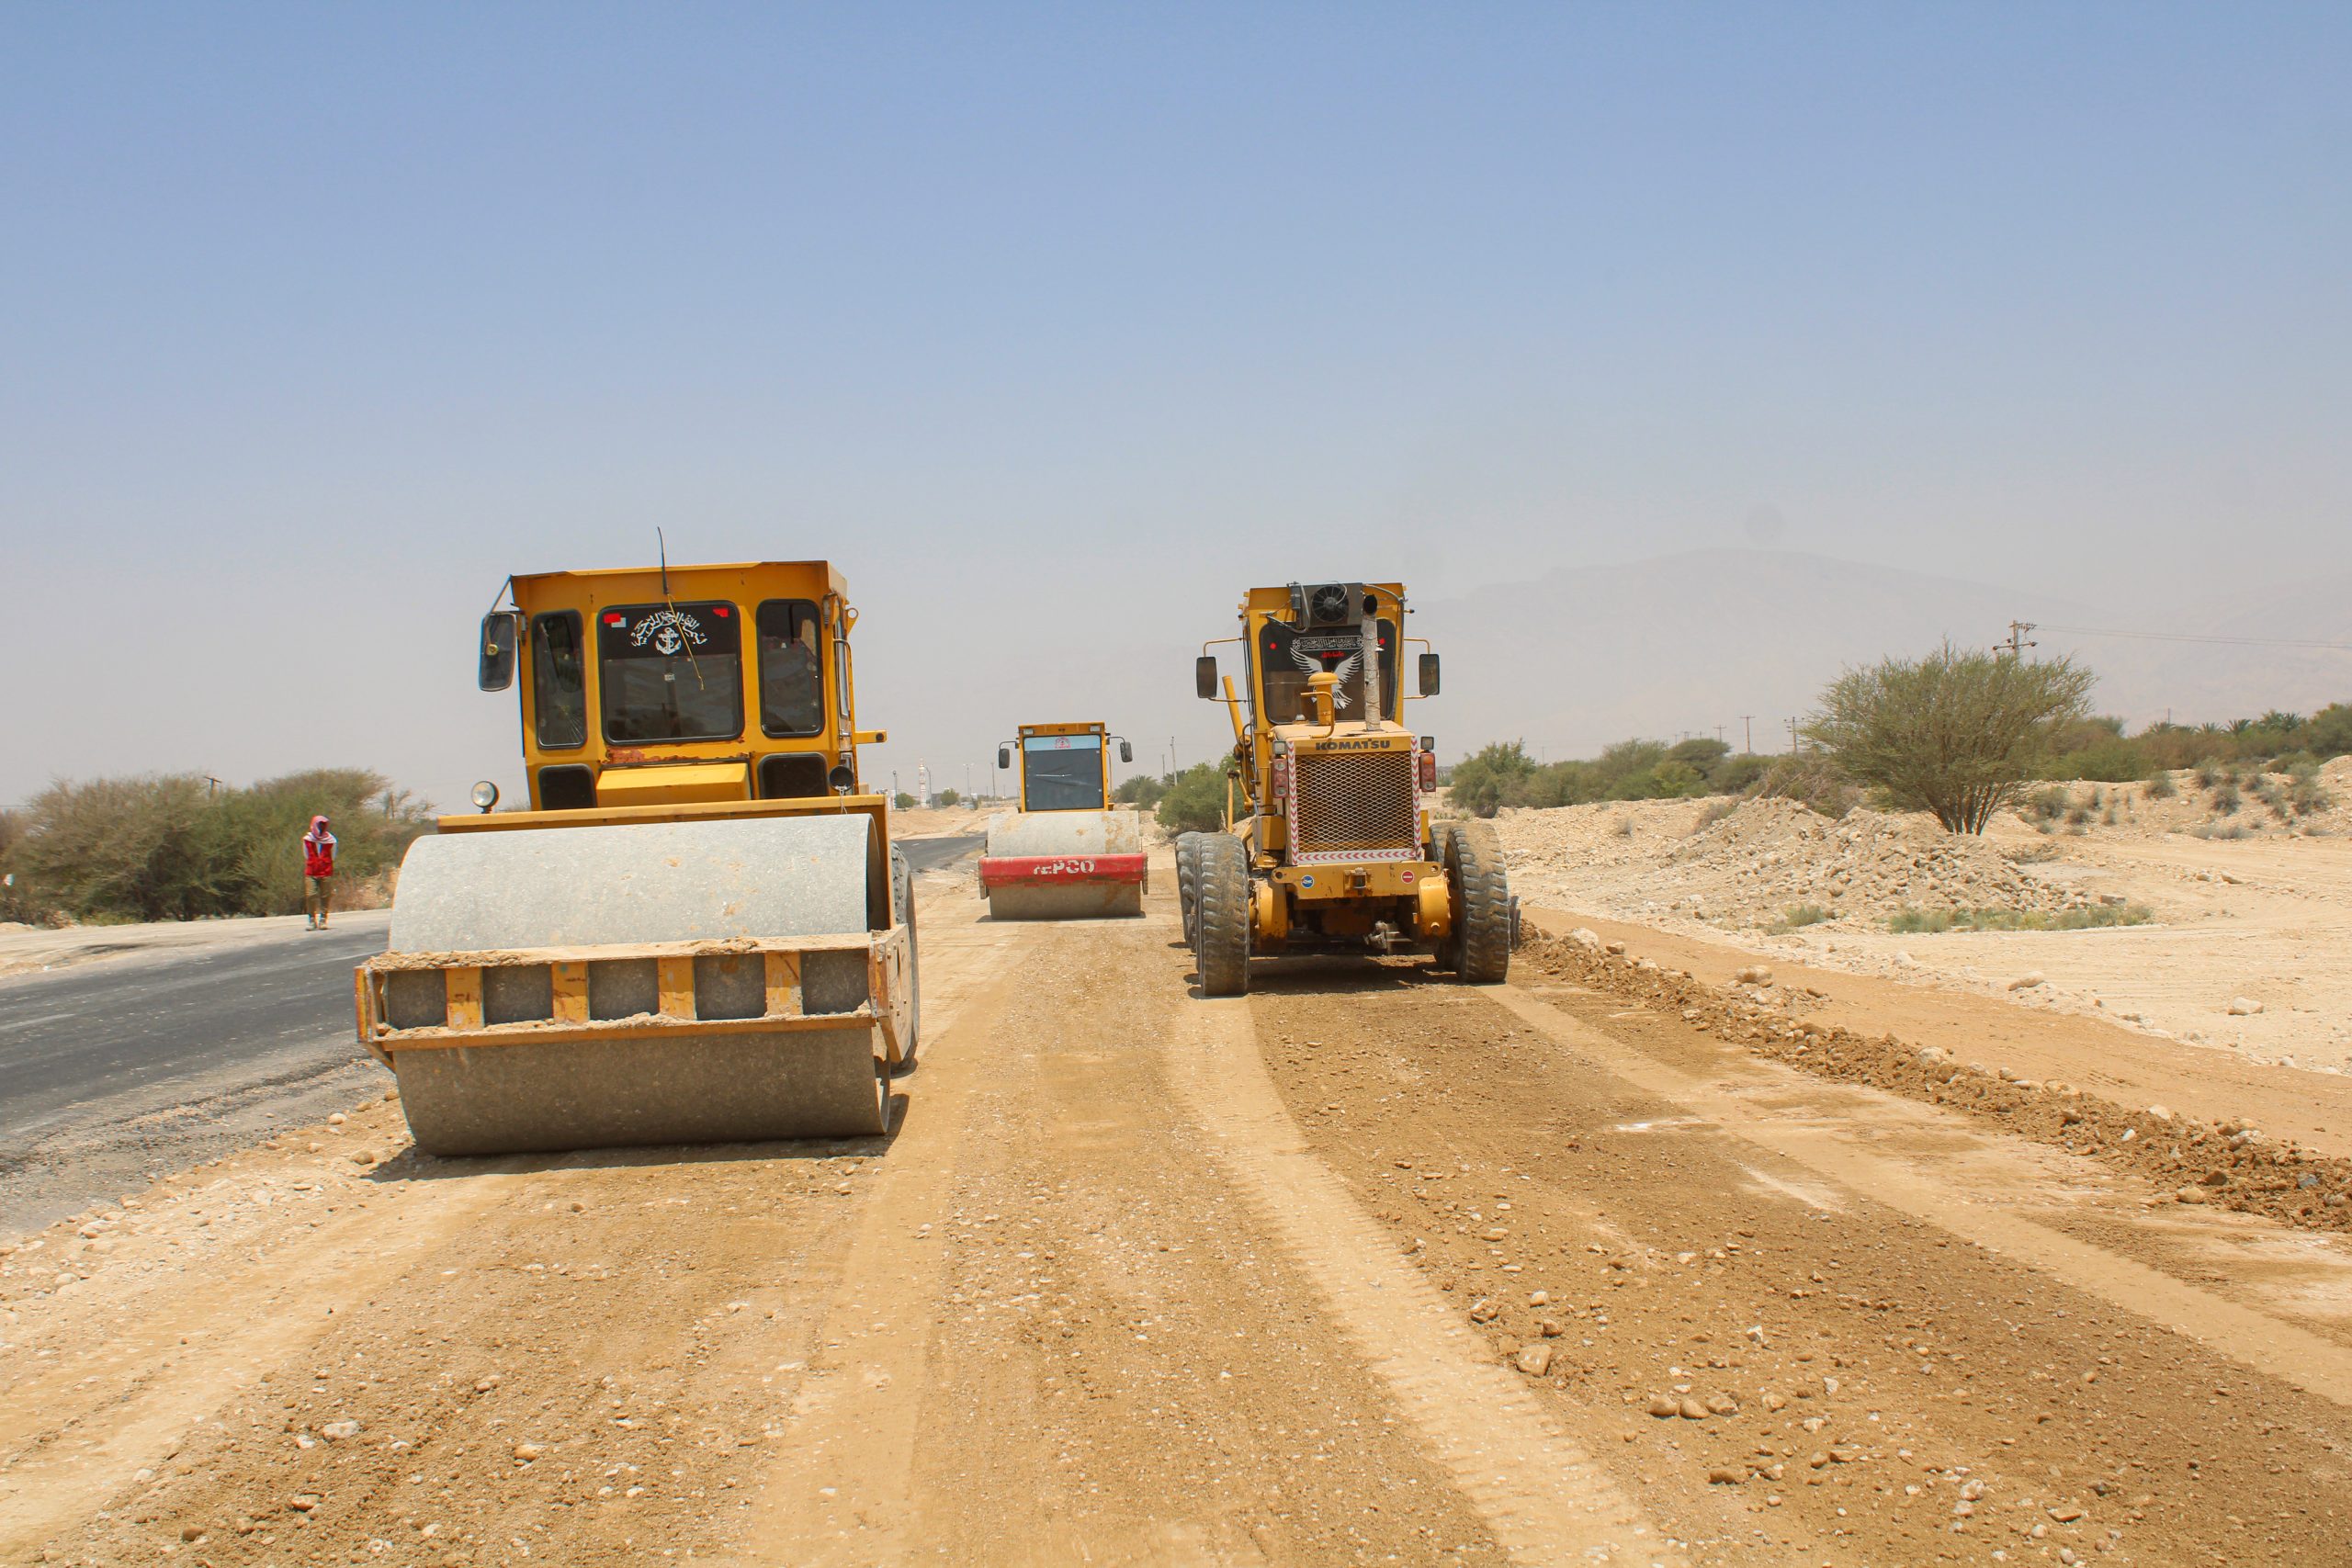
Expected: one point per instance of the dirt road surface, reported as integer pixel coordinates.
(1365, 1267)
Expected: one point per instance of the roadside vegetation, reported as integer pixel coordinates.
(1194, 802)
(174, 846)
(1907, 922)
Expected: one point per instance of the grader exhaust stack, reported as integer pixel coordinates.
(1067, 853)
(698, 932)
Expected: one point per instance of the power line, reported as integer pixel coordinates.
(2193, 637)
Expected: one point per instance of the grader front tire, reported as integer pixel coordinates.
(1221, 952)
(1479, 949)
(1188, 884)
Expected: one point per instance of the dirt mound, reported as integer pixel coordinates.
(2226, 1164)
(1767, 861)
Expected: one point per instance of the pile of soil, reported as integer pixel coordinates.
(1764, 859)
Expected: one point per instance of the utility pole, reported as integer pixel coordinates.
(1748, 745)
(1719, 735)
(2018, 642)
(1792, 738)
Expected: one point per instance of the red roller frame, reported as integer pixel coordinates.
(1048, 871)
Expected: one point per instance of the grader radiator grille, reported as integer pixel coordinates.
(1353, 806)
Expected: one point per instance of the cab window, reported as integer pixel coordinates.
(670, 672)
(792, 675)
(558, 680)
(1062, 772)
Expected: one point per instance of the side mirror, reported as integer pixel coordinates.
(1004, 756)
(1204, 674)
(1126, 752)
(1429, 674)
(502, 634)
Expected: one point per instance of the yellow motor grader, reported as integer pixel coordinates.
(698, 932)
(1328, 843)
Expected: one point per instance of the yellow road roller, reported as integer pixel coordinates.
(1067, 853)
(698, 932)
(1329, 844)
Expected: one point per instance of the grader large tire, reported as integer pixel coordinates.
(1478, 951)
(1188, 884)
(1222, 952)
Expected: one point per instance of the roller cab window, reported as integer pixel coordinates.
(1285, 657)
(558, 680)
(792, 676)
(1062, 772)
(670, 672)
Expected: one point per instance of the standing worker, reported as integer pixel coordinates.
(317, 872)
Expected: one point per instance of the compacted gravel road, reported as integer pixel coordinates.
(1367, 1266)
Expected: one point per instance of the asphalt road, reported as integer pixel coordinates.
(114, 1072)
(117, 1071)
(931, 854)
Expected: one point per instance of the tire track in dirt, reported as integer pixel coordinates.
(1542, 1495)
(1797, 1371)
(2303, 1361)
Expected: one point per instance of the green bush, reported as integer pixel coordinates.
(1143, 791)
(1915, 922)
(1195, 802)
(2161, 787)
(175, 847)
(1799, 915)
(1956, 733)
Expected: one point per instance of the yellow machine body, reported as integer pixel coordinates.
(698, 931)
(1329, 795)
(1069, 852)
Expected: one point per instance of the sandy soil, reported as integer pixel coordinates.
(1368, 1266)
(2248, 948)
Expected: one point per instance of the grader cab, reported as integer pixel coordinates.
(698, 932)
(1329, 844)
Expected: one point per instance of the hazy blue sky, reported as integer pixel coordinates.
(1057, 326)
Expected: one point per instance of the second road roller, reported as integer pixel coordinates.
(1067, 853)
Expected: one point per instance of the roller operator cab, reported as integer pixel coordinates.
(1068, 851)
(699, 931)
(1329, 843)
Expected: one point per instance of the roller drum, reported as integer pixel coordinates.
(1043, 866)
(758, 877)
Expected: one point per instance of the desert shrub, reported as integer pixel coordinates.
(2304, 791)
(2225, 796)
(2210, 772)
(1734, 775)
(1490, 778)
(1911, 922)
(1956, 733)
(1143, 791)
(1623, 826)
(1715, 814)
(2161, 787)
(173, 846)
(1195, 802)
(2046, 804)
(2221, 830)
(1810, 781)
(2328, 733)
(1800, 915)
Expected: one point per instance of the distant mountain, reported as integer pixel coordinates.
(1579, 658)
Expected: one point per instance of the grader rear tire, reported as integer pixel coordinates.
(902, 901)
(1478, 951)
(1188, 884)
(1222, 952)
